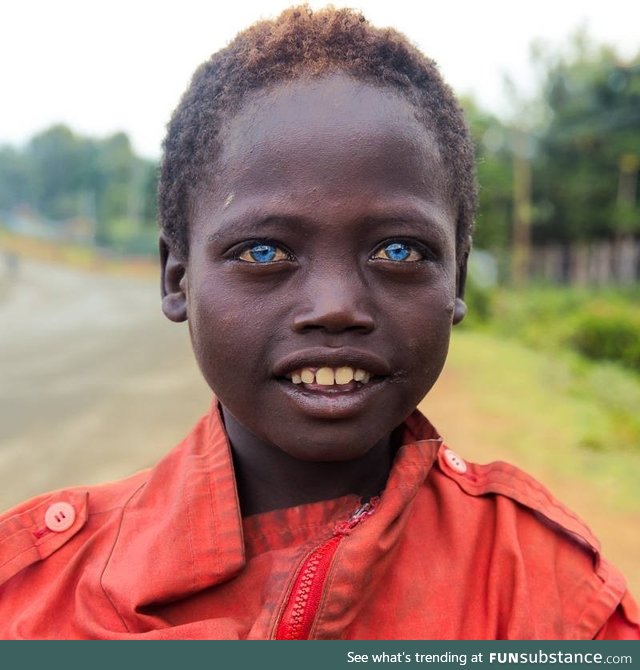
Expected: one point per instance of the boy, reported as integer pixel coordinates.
(317, 198)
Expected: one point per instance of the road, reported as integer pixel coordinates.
(95, 382)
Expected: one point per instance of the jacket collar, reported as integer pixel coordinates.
(181, 531)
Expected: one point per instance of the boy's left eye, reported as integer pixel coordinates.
(398, 251)
(262, 252)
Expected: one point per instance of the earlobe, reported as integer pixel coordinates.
(173, 284)
(459, 311)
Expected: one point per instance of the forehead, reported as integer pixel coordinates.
(333, 136)
(336, 99)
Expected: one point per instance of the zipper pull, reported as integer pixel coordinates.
(362, 512)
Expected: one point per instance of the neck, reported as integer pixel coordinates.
(268, 478)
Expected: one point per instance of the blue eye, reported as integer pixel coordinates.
(398, 251)
(262, 252)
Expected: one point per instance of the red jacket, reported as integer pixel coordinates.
(452, 550)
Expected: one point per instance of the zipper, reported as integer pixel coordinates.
(303, 602)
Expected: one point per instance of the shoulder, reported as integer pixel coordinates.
(79, 524)
(527, 494)
(58, 521)
(539, 541)
(496, 487)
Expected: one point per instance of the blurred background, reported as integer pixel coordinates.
(544, 372)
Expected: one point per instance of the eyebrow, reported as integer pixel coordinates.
(247, 225)
(252, 221)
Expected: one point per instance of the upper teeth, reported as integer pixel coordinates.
(329, 376)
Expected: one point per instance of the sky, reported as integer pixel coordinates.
(101, 67)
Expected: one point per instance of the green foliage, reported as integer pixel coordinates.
(608, 331)
(583, 128)
(124, 237)
(522, 315)
(479, 303)
(591, 129)
(593, 338)
(600, 325)
(61, 166)
(14, 178)
(494, 172)
(63, 176)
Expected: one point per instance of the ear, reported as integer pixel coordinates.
(460, 308)
(173, 280)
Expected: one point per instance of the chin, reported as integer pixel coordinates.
(337, 449)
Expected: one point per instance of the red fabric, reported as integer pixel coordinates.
(483, 554)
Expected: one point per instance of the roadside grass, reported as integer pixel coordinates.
(75, 256)
(556, 410)
(571, 423)
(600, 323)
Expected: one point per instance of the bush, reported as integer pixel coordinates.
(479, 303)
(605, 331)
(599, 324)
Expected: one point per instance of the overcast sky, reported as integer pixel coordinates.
(103, 66)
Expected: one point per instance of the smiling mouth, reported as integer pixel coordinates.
(330, 384)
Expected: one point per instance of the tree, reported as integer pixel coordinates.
(62, 176)
(585, 172)
(15, 186)
(493, 162)
(62, 167)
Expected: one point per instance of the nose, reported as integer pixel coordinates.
(334, 303)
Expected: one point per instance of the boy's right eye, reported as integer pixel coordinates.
(263, 252)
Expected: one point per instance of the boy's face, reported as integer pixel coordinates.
(321, 280)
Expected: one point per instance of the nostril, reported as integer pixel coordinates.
(334, 321)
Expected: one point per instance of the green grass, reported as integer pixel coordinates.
(552, 411)
(601, 323)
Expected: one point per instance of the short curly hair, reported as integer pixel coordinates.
(302, 42)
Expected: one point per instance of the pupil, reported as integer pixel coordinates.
(263, 253)
(397, 251)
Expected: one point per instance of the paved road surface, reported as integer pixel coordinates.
(95, 383)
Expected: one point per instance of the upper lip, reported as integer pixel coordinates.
(332, 358)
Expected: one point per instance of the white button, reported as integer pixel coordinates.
(59, 517)
(454, 461)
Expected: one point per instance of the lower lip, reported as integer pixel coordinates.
(341, 401)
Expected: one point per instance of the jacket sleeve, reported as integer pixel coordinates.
(624, 623)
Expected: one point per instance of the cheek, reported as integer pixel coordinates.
(231, 334)
(219, 332)
(422, 332)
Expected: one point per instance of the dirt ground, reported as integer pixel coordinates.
(95, 384)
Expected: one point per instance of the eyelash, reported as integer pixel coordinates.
(412, 246)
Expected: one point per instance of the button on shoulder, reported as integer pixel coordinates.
(36, 529)
(504, 479)
(454, 462)
(60, 516)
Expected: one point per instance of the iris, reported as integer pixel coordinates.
(263, 253)
(396, 251)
